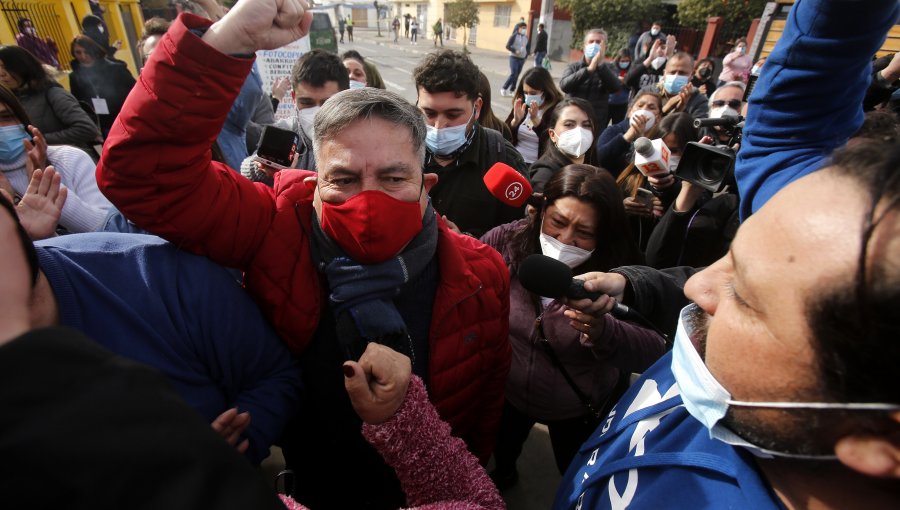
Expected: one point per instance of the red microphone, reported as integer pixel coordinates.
(508, 185)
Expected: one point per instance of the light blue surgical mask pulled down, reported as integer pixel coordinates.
(708, 401)
(674, 83)
(591, 50)
(443, 141)
(355, 84)
(11, 148)
(537, 98)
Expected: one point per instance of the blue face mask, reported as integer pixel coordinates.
(674, 83)
(708, 401)
(11, 148)
(444, 141)
(624, 65)
(537, 98)
(591, 50)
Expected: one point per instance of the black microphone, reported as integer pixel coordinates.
(728, 121)
(548, 277)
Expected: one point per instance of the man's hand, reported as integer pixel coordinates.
(661, 182)
(671, 45)
(585, 315)
(230, 425)
(259, 25)
(41, 206)
(679, 102)
(377, 383)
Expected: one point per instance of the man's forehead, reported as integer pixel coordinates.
(444, 100)
(808, 233)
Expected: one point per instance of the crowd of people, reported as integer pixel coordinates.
(729, 339)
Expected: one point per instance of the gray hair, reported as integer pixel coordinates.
(596, 31)
(736, 84)
(348, 106)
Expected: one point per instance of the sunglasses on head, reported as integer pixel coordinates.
(732, 103)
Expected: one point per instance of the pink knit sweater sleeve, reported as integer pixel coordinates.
(435, 469)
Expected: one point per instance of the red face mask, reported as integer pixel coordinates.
(371, 226)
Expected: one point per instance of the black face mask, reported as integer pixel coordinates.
(704, 72)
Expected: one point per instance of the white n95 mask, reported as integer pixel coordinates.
(571, 256)
(575, 142)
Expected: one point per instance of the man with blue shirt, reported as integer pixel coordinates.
(144, 299)
(780, 391)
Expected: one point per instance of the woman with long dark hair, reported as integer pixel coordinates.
(581, 222)
(535, 96)
(97, 81)
(51, 108)
(571, 134)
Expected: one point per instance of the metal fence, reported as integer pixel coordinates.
(45, 20)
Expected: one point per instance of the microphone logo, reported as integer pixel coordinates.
(514, 191)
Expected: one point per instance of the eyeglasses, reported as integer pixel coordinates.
(732, 103)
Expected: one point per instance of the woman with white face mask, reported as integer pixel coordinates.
(571, 130)
(736, 65)
(582, 224)
(614, 148)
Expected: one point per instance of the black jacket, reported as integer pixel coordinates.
(82, 428)
(460, 193)
(657, 295)
(594, 87)
(105, 79)
(697, 237)
(540, 43)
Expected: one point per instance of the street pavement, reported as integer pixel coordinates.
(538, 476)
(396, 61)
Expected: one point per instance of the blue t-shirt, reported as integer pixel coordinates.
(651, 453)
(144, 299)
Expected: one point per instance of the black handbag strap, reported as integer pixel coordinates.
(545, 344)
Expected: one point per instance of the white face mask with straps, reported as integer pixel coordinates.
(708, 401)
(575, 142)
(571, 256)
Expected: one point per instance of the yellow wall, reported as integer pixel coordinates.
(494, 38)
(68, 15)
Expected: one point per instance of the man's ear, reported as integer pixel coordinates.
(478, 104)
(430, 181)
(310, 182)
(877, 456)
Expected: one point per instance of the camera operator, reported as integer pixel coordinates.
(727, 100)
(697, 228)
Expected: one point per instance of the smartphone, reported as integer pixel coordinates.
(645, 196)
(277, 147)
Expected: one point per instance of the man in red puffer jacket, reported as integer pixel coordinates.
(335, 260)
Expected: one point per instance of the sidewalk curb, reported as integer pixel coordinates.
(474, 52)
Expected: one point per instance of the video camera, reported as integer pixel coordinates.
(711, 166)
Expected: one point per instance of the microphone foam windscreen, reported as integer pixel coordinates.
(508, 185)
(545, 276)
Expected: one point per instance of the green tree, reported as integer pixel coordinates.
(737, 14)
(618, 17)
(463, 13)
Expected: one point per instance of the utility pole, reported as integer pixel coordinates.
(378, 18)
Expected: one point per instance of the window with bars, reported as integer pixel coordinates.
(501, 15)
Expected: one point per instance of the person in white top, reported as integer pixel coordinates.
(536, 95)
(23, 148)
